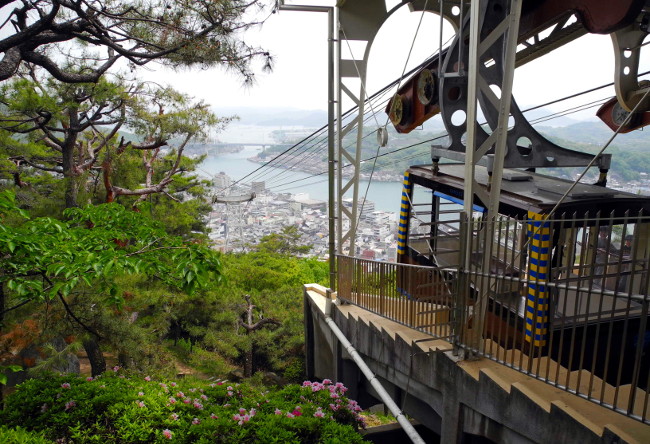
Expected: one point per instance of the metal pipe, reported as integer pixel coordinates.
(331, 151)
(381, 391)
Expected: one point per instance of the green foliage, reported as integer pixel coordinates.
(73, 131)
(44, 257)
(115, 408)
(263, 271)
(199, 359)
(210, 319)
(287, 241)
(96, 34)
(8, 368)
(21, 436)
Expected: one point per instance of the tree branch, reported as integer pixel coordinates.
(67, 77)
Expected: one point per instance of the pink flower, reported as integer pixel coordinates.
(140, 393)
(180, 394)
(289, 415)
(253, 412)
(296, 413)
(172, 400)
(173, 384)
(242, 411)
(65, 385)
(203, 397)
(116, 368)
(167, 433)
(140, 404)
(147, 378)
(174, 416)
(278, 411)
(306, 384)
(70, 404)
(241, 419)
(213, 416)
(89, 378)
(334, 395)
(327, 381)
(197, 405)
(319, 413)
(229, 393)
(186, 400)
(229, 388)
(196, 421)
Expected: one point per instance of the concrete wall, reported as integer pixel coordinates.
(449, 396)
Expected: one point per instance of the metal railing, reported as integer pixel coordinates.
(563, 300)
(382, 288)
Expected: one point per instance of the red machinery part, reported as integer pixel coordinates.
(597, 16)
(614, 115)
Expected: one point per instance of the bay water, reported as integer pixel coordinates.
(385, 195)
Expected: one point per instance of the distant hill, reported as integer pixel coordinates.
(581, 133)
(597, 133)
(286, 116)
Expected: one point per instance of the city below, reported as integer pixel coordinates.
(247, 214)
(240, 219)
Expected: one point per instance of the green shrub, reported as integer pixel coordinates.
(117, 408)
(21, 436)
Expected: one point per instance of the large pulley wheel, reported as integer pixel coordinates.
(426, 88)
(398, 109)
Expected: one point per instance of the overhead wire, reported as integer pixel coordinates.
(363, 91)
(323, 141)
(276, 163)
(373, 157)
(346, 114)
(303, 160)
(536, 121)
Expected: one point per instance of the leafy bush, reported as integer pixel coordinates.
(21, 436)
(117, 408)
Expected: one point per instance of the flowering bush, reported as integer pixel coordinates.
(116, 408)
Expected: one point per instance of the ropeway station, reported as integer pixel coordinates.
(517, 309)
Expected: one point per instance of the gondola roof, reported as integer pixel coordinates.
(524, 191)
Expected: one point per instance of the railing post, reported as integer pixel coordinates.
(638, 356)
(459, 326)
(382, 284)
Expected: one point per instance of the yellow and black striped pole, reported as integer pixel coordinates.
(537, 303)
(404, 214)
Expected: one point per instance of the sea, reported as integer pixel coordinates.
(385, 195)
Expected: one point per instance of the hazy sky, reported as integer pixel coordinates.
(299, 43)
